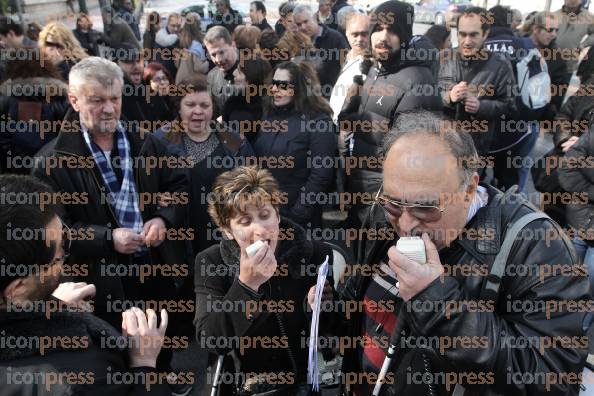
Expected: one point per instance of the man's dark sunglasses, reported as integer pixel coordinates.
(394, 208)
(550, 30)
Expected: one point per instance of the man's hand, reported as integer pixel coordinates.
(146, 339)
(415, 277)
(76, 294)
(458, 92)
(154, 232)
(566, 145)
(126, 240)
(164, 199)
(472, 104)
(326, 294)
(255, 270)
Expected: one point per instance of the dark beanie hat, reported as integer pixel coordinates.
(398, 15)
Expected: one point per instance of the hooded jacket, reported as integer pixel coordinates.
(503, 329)
(407, 83)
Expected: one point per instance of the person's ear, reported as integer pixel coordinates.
(227, 232)
(15, 289)
(73, 101)
(472, 187)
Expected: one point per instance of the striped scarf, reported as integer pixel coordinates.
(122, 198)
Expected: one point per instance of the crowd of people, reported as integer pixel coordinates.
(137, 168)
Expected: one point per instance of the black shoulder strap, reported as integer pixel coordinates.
(491, 287)
(490, 290)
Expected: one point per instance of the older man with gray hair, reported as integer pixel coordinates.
(331, 46)
(132, 194)
(482, 298)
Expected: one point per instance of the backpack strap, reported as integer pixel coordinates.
(490, 289)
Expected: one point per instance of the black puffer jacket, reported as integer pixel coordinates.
(495, 328)
(217, 286)
(404, 85)
(93, 219)
(576, 176)
(87, 356)
(491, 79)
(45, 102)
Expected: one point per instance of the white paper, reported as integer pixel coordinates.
(313, 371)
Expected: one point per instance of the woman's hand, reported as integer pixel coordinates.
(256, 270)
(326, 295)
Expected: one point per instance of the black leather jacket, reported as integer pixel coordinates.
(497, 356)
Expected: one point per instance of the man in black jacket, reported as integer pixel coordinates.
(50, 344)
(454, 333)
(139, 103)
(401, 80)
(226, 16)
(126, 176)
(331, 46)
(477, 86)
(258, 15)
(518, 132)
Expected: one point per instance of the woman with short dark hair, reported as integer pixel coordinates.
(269, 288)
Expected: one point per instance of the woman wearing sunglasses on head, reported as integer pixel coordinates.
(297, 141)
(58, 45)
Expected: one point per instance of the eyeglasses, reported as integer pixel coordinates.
(66, 244)
(281, 84)
(160, 79)
(550, 30)
(394, 208)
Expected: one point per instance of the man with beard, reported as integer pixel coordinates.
(458, 319)
(225, 56)
(477, 86)
(47, 333)
(401, 80)
(137, 105)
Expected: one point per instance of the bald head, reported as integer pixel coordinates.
(357, 32)
(427, 163)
